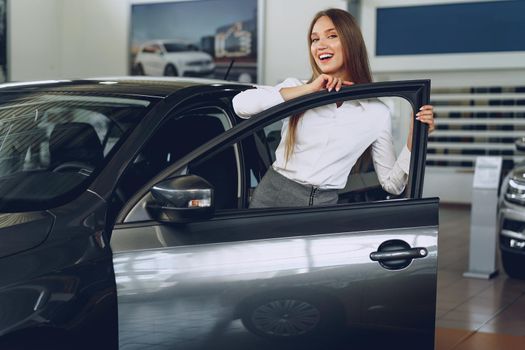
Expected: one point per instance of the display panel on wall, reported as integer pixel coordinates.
(424, 35)
(3, 41)
(195, 38)
(493, 26)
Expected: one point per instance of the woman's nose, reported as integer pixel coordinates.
(321, 44)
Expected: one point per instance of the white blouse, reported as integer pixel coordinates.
(330, 139)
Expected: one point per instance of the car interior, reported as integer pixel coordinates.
(177, 137)
(60, 146)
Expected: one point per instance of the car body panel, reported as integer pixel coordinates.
(223, 263)
(52, 290)
(23, 231)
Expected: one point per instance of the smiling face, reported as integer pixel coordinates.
(326, 48)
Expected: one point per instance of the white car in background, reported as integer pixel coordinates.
(172, 58)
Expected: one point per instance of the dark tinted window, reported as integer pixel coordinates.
(174, 47)
(178, 136)
(52, 144)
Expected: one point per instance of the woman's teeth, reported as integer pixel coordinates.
(325, 56)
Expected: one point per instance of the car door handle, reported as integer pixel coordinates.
(412, 253)
(396, 254)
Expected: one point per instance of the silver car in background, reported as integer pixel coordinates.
(511, 216)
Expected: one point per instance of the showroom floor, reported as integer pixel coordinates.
(472, 313)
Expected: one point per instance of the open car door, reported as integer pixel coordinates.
(357, 275)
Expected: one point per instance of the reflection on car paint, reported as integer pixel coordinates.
(192, 291)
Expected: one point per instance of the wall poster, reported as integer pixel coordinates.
(195, 39)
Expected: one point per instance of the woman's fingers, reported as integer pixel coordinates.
(329, 82)
(321, 82)
(338, 85)
(333, 83)
(426, 115)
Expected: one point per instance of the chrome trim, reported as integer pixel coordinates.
(238, 161)
(512, 211)
(96, 194)
(513, 234)
(39, 302)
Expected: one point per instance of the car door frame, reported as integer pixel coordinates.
(414, 91)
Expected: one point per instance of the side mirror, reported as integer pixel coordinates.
(520, 144)
(182, 199)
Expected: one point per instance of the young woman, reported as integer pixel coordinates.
(318, 148)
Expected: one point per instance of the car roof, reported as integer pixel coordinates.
(127, 85)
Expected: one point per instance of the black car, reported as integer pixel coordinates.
(125, 224)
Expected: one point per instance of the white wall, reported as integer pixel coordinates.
(94, 38)
(286, 49)
(55, 39)
(34, 47)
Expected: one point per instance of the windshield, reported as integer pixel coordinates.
(175, 47)
(51, 145)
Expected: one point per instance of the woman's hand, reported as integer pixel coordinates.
(328, 82)
(425, 115)
(322, 82)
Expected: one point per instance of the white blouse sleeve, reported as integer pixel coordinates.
(253, 101)
(391, 172)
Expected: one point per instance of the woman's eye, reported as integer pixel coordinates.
(314, 40)
(332, 36)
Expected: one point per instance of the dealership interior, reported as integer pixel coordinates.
(477, 90)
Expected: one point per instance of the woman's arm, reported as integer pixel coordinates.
(253, 101)
(322, 82)
(392, 172)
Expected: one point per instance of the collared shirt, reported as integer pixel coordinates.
(330, 139)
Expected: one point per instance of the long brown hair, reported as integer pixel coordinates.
(355, 60)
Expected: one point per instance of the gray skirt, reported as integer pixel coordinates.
(276, 190)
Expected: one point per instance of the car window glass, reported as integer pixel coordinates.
(153, 48)
(50, 145)
(178, 47)
(156, 48)
(362, 182)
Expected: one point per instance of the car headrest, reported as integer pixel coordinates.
(75, 142)
(180, 136)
